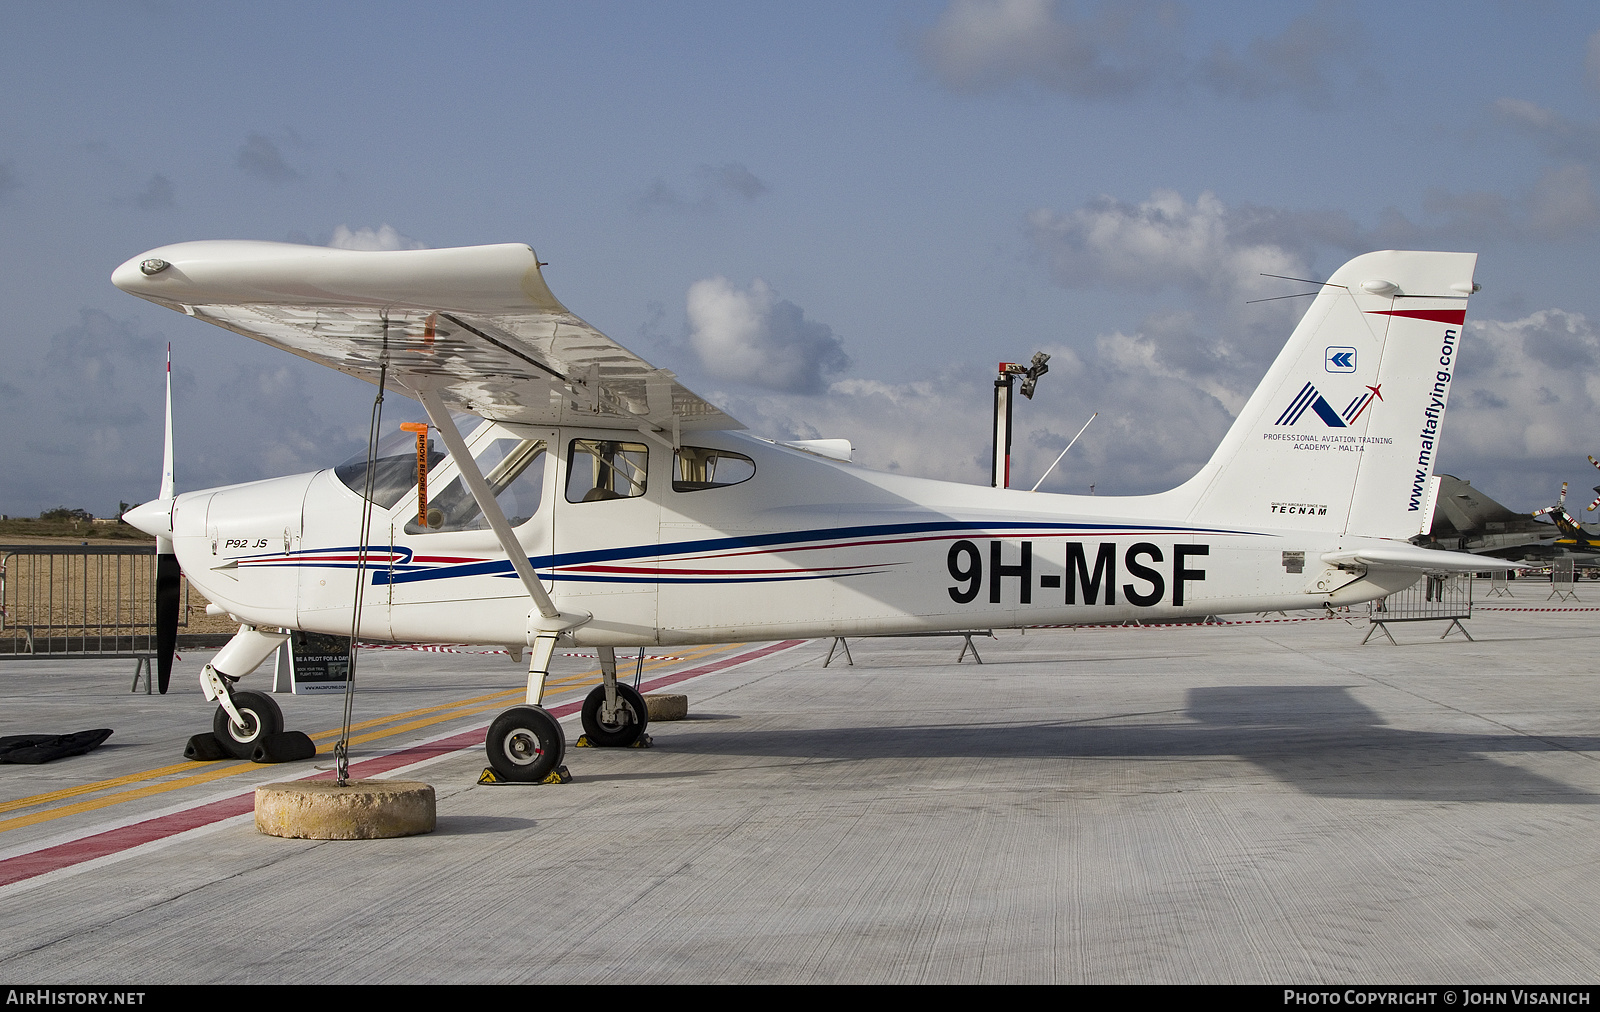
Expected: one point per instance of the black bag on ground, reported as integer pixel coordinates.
(33, 749)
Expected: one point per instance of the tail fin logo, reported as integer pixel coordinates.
(1340, 359)
(1309, 397)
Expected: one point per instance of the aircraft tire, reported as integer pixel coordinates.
(525, 744)
(615, 735)
(262, 717)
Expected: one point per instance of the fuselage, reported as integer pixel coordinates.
(731, 538)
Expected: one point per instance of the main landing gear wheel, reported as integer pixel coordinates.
(525, 744)
(262, 720)
(633, 715)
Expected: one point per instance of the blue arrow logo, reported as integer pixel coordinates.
(1340, 360)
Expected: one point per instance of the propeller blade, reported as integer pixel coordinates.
(168, 578)
(168, 574)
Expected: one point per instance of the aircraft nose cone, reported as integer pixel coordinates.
(154, 518)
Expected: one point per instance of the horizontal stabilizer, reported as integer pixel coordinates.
(1419, 559)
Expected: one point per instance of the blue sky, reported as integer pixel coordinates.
(830, 219)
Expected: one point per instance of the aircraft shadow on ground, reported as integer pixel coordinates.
(1317, 739)
(477, 825)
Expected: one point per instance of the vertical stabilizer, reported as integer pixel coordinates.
(1343, 431)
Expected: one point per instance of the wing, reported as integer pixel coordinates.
(475, 324)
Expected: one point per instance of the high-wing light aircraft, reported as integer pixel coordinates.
(599, 503)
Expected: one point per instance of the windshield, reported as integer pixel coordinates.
(394, 472)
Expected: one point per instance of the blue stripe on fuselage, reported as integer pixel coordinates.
(502, 567)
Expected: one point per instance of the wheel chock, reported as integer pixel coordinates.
(204, 748)
(284, 747)
(560, 775)
(644, 741)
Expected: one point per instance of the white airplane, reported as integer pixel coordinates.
(599, 503)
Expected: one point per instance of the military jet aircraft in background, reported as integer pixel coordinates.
(1467, 520)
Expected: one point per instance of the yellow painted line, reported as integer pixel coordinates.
(208, 775)
(187, 766)
(101, 785)
(439, 714)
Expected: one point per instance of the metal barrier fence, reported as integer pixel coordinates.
(79, 601)
(1562, 578)
(1430, 599)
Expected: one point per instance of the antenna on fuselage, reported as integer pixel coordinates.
(1063, 453)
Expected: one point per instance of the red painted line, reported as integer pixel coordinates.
(113, 841)
(25, 866)
(1455, 316)
(1191, 625)
(706, 669)
(1496, 607)
(652, 570)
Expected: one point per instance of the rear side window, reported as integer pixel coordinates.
(599, 469)
(696, 468)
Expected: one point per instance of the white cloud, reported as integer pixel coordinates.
(1168, 385)
(260, 157)
(9, 182)
(1306, 60)
(754, 337)
(384, 237)
(711, 184)
(1162, 242)
(157, 195)
(1525, 403)
(1557, 136)
(1527, 389)
(1215, 260)
(1153, 432)
(1118, 50)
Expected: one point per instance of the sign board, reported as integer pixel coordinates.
(312, 662)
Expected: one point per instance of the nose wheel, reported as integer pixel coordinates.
(525, 744)
(262, 719)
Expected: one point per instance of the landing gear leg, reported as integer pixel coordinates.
(614, 714)
(525, 743)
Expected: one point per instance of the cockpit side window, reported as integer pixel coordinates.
(514, 471)
(696, 468)
(599, 469)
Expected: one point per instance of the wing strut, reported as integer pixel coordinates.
(551, 621)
